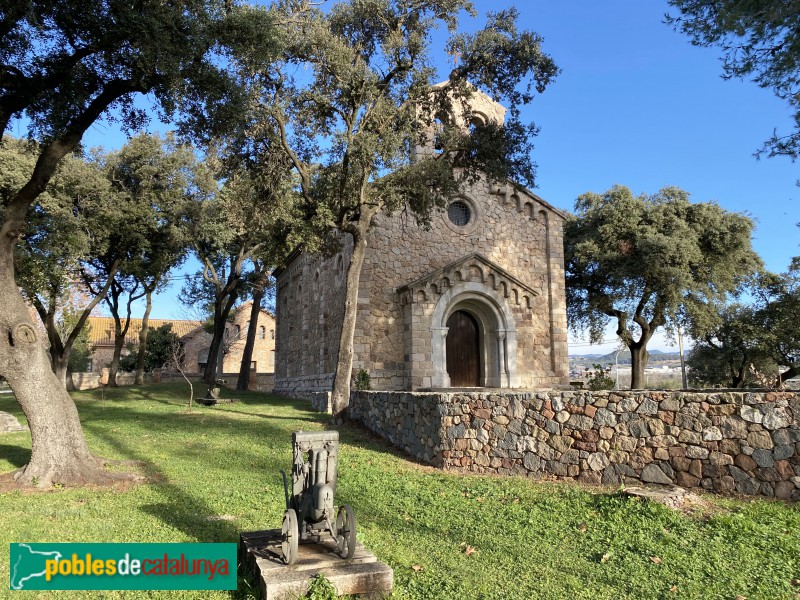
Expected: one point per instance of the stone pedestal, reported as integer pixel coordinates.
(362, 575)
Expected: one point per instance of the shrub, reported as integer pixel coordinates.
(601, 379)
(362, 381)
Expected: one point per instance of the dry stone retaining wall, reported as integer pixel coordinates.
(729, 442)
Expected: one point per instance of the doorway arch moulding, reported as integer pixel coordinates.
(485, 290)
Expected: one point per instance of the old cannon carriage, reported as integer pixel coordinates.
(310, 506)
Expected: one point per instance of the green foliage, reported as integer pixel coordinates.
(320, 589)
(67, 62)
(214, 473)
(71, 222)
(759, 40)
(649, 261)
(600, 379)
(349, 127)
(724, 355)
(750, 344)
(158, 351)
(363, 383)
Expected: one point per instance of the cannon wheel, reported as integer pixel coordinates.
(346, 532)
(289, 536)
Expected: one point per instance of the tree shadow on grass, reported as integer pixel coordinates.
(16, 455)
(180, 509)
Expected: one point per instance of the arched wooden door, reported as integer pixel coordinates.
(463, 350)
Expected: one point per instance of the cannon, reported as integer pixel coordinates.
(310, 506)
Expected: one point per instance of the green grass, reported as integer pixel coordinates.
(530, 540)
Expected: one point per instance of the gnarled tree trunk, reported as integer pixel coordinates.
(59, 452)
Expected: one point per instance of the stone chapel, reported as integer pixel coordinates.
(476, 301)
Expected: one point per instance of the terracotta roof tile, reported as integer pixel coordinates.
(101, 329)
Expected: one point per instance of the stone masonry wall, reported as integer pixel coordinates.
(745, 442)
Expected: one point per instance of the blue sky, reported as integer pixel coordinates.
(637, 104)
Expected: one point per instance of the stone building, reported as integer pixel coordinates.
(477, 300)
(196, 341)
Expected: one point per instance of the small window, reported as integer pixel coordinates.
(272, 334)
(236, 331)
(262, 332)
(459, 213)
(253, 365)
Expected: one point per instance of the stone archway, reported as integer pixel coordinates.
(463, 351)
(496, 331)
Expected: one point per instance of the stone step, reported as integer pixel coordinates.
(362, 575)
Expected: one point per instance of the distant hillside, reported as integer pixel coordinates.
(656, 356)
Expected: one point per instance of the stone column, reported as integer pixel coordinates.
(441, 379)
(501, 353)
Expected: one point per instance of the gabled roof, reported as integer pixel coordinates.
(478, 268)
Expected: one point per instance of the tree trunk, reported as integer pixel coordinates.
(739, 375)
(638, 364)
(143, 339)
(222, 309)
(113, 367)
(210, 373)
(59, 453)
(792, 371)
(61, 366)
(70, 382)
(344, 366)
(243, 383)
(120, 331)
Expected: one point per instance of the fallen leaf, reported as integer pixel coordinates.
(478, 499)
(417, 568)
(605, 558)
(582, 527)
(795, 581)
(470, 550)
(674, 588)
(741, 597)
(655, 559)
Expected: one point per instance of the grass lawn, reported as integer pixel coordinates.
(214, 473)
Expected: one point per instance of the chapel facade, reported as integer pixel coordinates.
(477, 300)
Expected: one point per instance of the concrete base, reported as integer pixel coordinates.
(362, 575)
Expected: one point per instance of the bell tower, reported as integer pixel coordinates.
(479, 108)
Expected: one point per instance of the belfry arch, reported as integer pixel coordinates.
(497, 336)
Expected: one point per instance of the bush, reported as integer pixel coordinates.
(601, 380)
(362, 381)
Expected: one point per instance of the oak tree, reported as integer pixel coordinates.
(648, 261)
(63, 66)
(355, 92)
